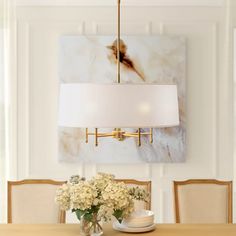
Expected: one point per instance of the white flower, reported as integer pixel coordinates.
(82, 195)
(63, 197)
(101, 196)
(105, 213)
(116, 195)
(101, 180)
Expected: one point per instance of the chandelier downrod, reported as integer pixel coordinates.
(118, 41)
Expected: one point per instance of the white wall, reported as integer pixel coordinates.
(207, 25)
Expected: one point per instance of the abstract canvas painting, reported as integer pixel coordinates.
(144, 59)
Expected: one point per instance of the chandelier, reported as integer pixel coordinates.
(118, 106)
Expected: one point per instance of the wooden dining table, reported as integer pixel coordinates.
(161, 230)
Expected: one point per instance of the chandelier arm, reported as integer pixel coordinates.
(136, 133)
(104, 135)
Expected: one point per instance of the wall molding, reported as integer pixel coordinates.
(24, 155)
(215, 152)
(12, 98)
(146, 27)
(158, 3)
(23, 76)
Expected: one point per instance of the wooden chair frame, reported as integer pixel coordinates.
(62, 216)
(140, 183)
(202, 181)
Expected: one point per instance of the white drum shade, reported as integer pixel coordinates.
(118, 105)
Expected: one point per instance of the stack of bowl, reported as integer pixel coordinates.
(139, 219)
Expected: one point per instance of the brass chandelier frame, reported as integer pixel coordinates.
(118, 133)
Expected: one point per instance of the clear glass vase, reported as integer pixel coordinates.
(90, 227)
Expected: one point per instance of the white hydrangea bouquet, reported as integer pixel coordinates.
(98, 199)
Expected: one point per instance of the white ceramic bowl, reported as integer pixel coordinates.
(141, 218)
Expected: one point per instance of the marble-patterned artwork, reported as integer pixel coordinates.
(145, 59)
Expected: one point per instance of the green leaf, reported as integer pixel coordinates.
(118, 215)
(79, 213)
(88, 216)
(94, 209)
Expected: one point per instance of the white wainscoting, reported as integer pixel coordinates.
(209, 97)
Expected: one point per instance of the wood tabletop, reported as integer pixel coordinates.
(161, 230)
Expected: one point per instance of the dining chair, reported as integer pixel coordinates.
(32, 201)
(199, 201)
(142, 184)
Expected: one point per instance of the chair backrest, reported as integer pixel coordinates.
(203, 201)
(147, 185)
(33, 202)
